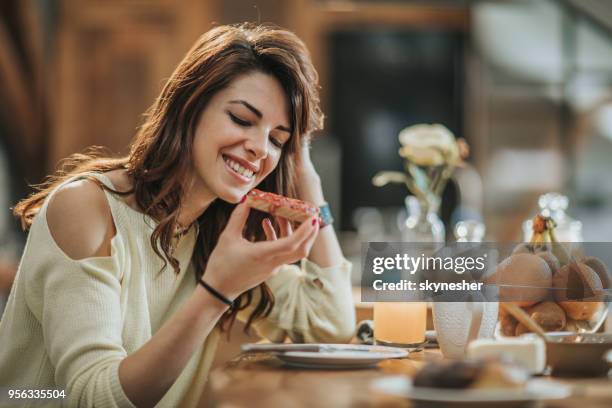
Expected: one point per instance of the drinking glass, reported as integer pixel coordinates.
(400, 324)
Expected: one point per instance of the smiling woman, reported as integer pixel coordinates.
(254, 108)
(134, 265)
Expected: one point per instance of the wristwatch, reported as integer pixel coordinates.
(325, 215)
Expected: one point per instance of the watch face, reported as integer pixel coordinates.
(325, 215)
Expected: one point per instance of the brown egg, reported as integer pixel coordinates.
(550, 259)
(576, 281)
(600, 269)
(578, 289)
(524, 279)
(581, 310)
(549, 315)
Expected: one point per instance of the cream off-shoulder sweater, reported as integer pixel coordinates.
(68, 323)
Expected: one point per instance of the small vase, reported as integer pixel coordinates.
(423, 224)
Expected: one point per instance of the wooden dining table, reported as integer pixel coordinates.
(262, 380)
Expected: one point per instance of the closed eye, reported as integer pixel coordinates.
(276, 142)
(238, 121)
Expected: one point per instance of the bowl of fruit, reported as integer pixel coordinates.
(555, 283)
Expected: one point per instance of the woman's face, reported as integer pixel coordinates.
(240, 135)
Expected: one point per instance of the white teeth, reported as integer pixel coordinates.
(238, 168)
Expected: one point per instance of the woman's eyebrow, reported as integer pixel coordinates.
(257, 112)
(253, 109)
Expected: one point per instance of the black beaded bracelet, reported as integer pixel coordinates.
(216, 294)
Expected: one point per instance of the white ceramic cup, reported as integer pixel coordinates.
(458, 323)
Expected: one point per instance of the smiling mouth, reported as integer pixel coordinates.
(238, 169)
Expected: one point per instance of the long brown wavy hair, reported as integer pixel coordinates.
(157, 162)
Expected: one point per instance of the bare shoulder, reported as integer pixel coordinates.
(120, 179)
(122, 182)
(80, 220)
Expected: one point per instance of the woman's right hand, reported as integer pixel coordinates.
(237, 265)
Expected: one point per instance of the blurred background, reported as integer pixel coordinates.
(528, 84)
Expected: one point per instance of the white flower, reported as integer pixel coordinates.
(429, 145)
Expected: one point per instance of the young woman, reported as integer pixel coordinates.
(130, 263)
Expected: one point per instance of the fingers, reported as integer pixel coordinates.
(285, 226)
(268, 229)
(302, 250)
(289, 244)
(235, 225)
(311, 239)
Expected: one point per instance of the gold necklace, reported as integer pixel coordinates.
(179, 232)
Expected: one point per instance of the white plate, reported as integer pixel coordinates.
(537, 389)
(364, 356)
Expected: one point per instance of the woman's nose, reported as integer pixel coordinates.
(257, 144)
